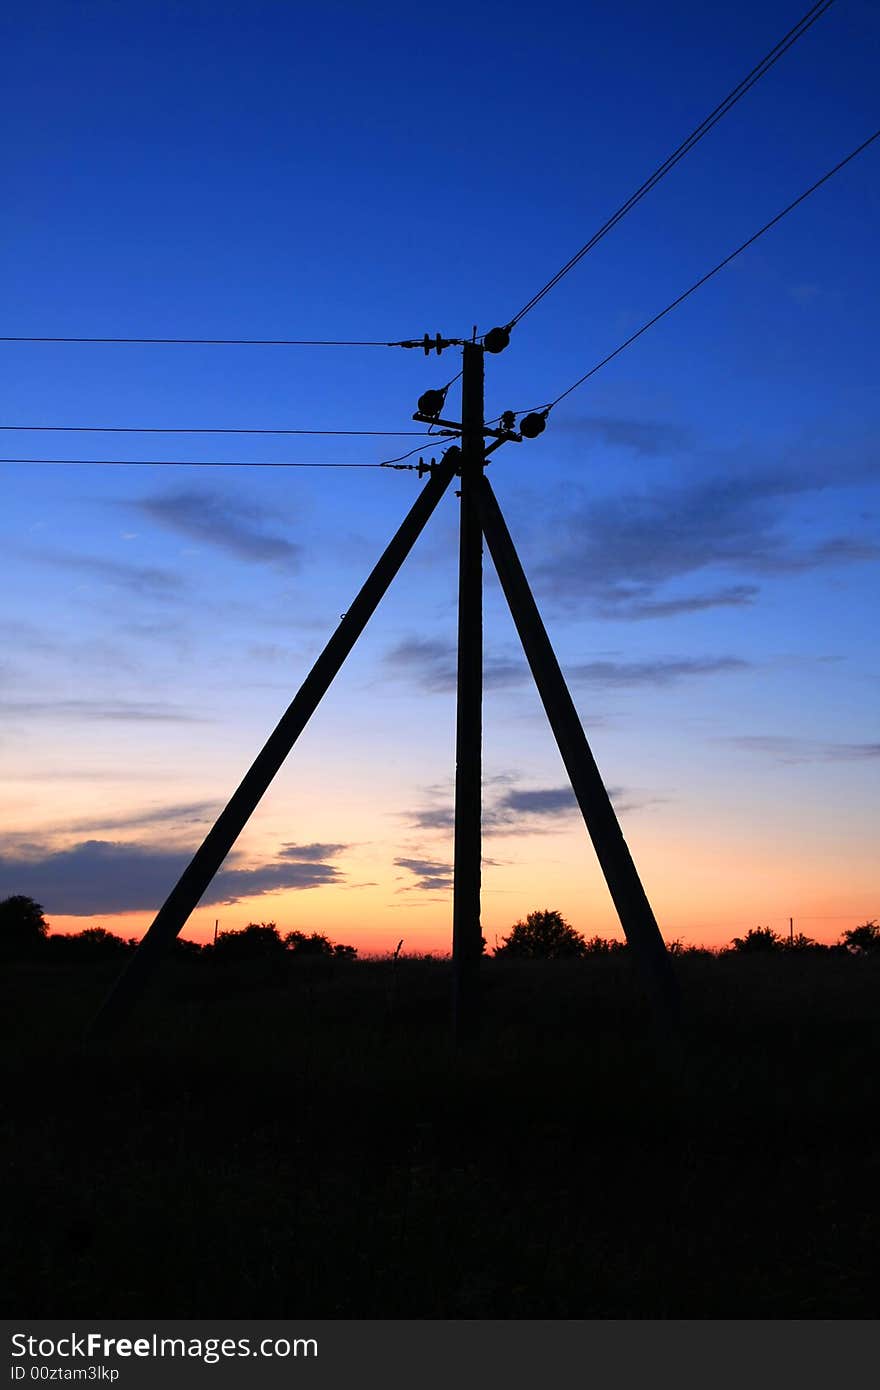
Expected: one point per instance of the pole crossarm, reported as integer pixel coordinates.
(222, 836)
(629, 897)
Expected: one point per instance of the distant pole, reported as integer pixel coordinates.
(466, 933)
(232, 819)
(791, 931)
(216, 925)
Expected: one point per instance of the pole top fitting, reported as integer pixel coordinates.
(496, 340)
(534, 423)
(432, 402)
(429, 344)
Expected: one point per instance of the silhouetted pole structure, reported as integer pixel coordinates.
(232, 820)
(479, 515)
(466, 933)
(629, 897)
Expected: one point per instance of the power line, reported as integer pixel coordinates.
(684, 148)
(195, 463)
(714, 271)
(162, 429)
(217, 342)
(219, 463)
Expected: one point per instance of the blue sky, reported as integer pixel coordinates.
(699, 520)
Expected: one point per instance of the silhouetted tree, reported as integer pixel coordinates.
(184, 949)
(345, 952)
(602, 946)
(23, 928)
(800, 942)
(544, 935)
(864, 938)
(93, 943)
(759, 939)
(257, 940)
(314, 945)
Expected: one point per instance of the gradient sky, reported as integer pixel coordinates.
(699, 521)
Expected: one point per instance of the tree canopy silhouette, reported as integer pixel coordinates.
(864, 938)
(256, 940)
(23, 928)
(544, 935)
(315, 944)
(759, 939)
(93, 943)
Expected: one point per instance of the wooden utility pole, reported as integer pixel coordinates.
(479, 515)
(466, 933)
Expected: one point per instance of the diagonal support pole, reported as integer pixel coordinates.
(232, 820)
(629, 897)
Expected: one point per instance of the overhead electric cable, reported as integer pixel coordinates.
(216, 342)
(221, 463)
(194, 463)
(162, 429)
(714, 271)
(684, 148)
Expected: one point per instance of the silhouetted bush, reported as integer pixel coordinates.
(184, 949)
(799, 942)
(256, 941)
(93, 943)
(865, 938)
(759, 940)
(23, 928)
(544, 935)
(602, 946)
(314, 945)
(680, 948)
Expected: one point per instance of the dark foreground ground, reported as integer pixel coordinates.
(303, 1143)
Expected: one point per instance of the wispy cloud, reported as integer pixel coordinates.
(144, 581)
(183, 815)
(541, 801)
(618, 550)
(657, 671)
(634, 602)
(310, 853)
(522, 810)
(648, 438)
(430, 875)
(102, 876)
(233, 525)
(432, 664)
(130, 711)
(786, 749)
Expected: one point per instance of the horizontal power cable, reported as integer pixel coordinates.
(192, 463)
(684, 148)
(216, 342)
(709, 274)
(199, 429)
(217, 463)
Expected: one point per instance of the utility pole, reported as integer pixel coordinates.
(466, 933)
(480, 516)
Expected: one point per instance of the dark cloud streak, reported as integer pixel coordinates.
(96, 877)
(231, 524)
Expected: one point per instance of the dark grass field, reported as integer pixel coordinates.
(303, 1143)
